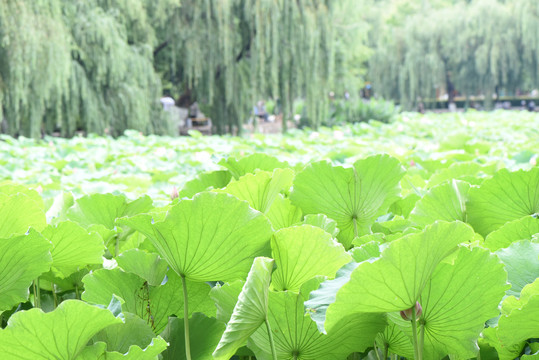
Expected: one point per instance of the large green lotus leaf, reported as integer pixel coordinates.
(104, 209)
(204, 336)
(9, 188)
(322, 297)
(148, 266)
(443, 202)
(505, 197)
(22, 259)
(397, 341)
(251, 163)
(225, 298)
(301, 253)
(73, 248)
(521, 229)
(249, 312)
(521, 261)
(19, 212)
(213, 237)
(354, 197)
(404, 206)
(462, 294)
(205, 181)
(282, 213)
(60, 334)
(521, 323)
(323, 222)
(98, 351)
(461, 171)
(153, 304)
(297, 336)
(395, 281)
(119, 337)
(261, 189)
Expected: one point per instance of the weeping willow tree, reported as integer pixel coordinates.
(473, 46)
(232, 53)
(68, 65)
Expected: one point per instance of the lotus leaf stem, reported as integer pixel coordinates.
(421, 337)
(418, 353)
(272, 343)
(186, 319)
(53, 289)
(376, 351)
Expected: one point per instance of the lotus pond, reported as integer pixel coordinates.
(412, 240)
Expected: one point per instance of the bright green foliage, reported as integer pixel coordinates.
(212, 237)
(354, 197)
(61, 334)
(119, 337)
(98, 351)
(205, 334)
(507, 196)
(301, 253)
(249, 164)
(154, 304)
(282, 213)
(18, 212)
(521, 261)
(468, 171)
(150, 267)
(456, 305)
(72, 248)
(512, 231)
(323, 222)
(104, 209)
(295, 334)
(443, 202)
(249, 312)
(396, 280)
(205, 181)
(262, 188)
(517, 323)
(22, 259)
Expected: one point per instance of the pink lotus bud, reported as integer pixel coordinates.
(174, 193)
(407, 314)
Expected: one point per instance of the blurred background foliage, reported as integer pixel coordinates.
(101, 66)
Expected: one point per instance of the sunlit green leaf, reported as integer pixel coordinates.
(215, 236)
(302, 252)
(148, 266)
(249, 312)
(354, 197)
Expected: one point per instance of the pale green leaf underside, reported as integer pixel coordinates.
(520, 229)
(22, 259)
(153, 304)
(73, 248)
(457, 301)
(262, 188)
(205, 181)
(353, 197)
(323, 222)
(213, 237)
(521, 261)
(250, 310)
(395, 281)
(282, 213)
(443, 202)
(148, 266)
(302, 252)
(60, 334)
(505, 197)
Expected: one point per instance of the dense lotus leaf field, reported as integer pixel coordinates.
(417, 239)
